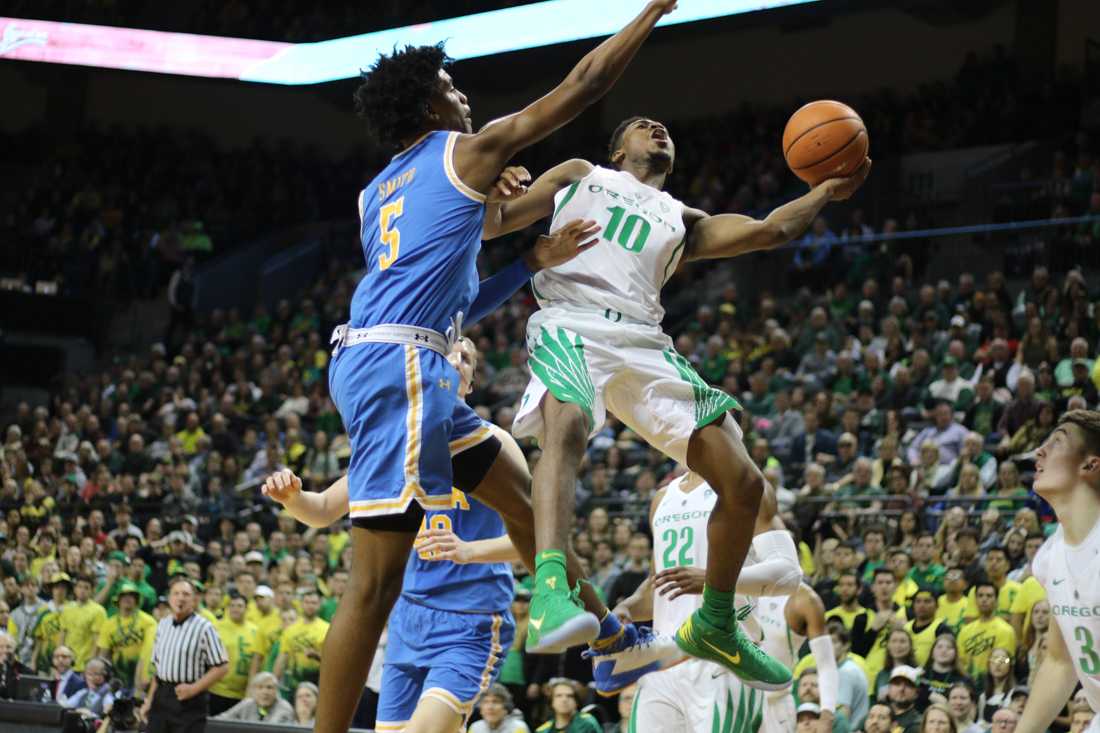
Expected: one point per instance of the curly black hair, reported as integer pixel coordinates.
(394, 96)
(617, 136)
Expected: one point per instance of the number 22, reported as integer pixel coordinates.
(389, 234)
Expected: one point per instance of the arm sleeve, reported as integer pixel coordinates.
(496, 289)
(216, 654)
(778, 572)
(828, 677)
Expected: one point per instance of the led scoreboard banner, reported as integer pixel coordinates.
(273, 62)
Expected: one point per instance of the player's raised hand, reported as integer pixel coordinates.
(841, 189)
(676, 582)
(665, 6)
(442, 544)
(511, 184)
(563, 245)
(282, 486)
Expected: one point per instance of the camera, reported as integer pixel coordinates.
(123, 716)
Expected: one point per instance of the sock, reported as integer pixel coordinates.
(717, 607)
(611, 628)
(550, 571)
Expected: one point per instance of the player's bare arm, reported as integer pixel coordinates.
(1053, 685)
(518, 205)
(479, 158)
(316, 509)
(730, 235)
(444, 544)
(805, 614)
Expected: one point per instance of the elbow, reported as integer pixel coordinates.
(774, 234)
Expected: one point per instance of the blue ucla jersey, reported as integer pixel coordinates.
(480, 587)
(421, 232)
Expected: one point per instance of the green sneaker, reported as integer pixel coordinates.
(732, 650)
(557, 621)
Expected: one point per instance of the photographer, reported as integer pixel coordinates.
(121, 716)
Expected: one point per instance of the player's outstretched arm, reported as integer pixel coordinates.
(479, 158)
(443, 544)
(730, 235)
(1053, 685)
(309, 507)
(520, 205)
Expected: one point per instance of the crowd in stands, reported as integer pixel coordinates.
(898, 426)
(114, 212)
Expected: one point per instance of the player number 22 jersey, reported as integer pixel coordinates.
(641, 241)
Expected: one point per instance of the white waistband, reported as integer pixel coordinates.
(389, 333)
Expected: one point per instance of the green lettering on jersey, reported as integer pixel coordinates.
(634, 221)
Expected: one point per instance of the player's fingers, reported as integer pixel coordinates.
(587, 245)
(522, 173)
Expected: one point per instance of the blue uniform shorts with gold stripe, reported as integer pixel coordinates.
(405, 420)
(443, 655)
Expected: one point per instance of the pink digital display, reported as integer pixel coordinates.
(129, 48)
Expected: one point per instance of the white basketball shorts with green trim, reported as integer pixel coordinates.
(603, 361)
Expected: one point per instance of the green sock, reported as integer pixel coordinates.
(717, 607)
(550, 571)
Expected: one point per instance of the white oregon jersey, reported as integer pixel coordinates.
(780, 641)
(1069, 575)
(641, 241)
(680, 539)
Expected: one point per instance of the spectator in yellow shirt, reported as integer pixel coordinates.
(300, 645)
(191, 434)
(80, 622)
(980, 637)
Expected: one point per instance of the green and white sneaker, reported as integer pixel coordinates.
(557, 621)
(732, 650)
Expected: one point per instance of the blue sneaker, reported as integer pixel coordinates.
(634, 654)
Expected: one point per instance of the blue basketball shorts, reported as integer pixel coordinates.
(443, 655)
(405, 421)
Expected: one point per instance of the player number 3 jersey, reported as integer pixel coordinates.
(1069, 576)
(642, 238)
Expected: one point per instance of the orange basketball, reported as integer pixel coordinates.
(824, 139)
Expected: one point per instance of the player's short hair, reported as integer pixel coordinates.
(617, 136)
(395, 92)
(1088, 421)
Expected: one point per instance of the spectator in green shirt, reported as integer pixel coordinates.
(337, 584)
(928, 575)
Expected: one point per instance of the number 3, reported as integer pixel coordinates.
(390, 235)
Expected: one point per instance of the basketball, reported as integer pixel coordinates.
(824, 139)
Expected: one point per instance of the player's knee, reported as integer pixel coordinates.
(369, 595)
(568, 425)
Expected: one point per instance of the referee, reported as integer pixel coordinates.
(188, 658)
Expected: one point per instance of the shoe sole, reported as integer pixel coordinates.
(581, 629)
(749, 682)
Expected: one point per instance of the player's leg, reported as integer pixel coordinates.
(660, 397)
(467, 651)
(562, 404)
(378, 562)
(399, 412)
(503, 487)
(659, 703)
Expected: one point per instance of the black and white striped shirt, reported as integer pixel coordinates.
(184, 651)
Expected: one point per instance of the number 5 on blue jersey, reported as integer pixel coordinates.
(389, 234)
